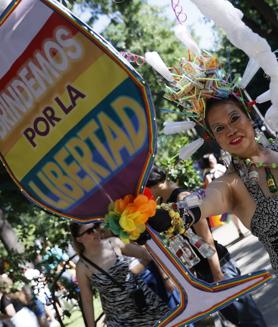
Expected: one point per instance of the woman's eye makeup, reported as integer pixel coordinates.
(234, 118)
(218, 129)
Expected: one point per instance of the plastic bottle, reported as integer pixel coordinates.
(182, 249)
(205, 249)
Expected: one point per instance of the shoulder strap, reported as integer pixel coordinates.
(102, 270)
(174, 195)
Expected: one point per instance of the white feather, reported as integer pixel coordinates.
(264, 97)
(271, 118)
(185, 37)
(250, 71)
(154, 60)
(187, 151)
(171, 127)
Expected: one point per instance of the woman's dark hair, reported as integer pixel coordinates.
(74, 229)
(157, 176)
(214, 102)
(205, 161)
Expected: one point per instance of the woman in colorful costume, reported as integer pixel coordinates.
(249, 189)
(217, 267)
(208, 96)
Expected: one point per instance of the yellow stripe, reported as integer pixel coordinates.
(89, 83)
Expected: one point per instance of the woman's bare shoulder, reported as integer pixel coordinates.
(116, 242)
(230, 176)
(81, 267)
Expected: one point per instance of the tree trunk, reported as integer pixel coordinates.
(9, 237)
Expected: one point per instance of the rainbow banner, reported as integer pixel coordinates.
(76, 120)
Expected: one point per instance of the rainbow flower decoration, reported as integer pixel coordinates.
(128, 216)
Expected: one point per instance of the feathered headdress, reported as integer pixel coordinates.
(200, 76)
(190, 83)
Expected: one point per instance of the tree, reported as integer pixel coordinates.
(181, 171)
(139, 28)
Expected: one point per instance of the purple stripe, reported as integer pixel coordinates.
(125, 182)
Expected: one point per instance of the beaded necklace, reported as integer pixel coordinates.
(262, 164)
(270, 179)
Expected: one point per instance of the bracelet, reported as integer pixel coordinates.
(177, 223)
(188, 218)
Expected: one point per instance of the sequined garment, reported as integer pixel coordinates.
(264, 223)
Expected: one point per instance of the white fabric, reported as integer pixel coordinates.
(16, 34)
(229, 18)
(25, 318)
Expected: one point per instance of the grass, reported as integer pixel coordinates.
(76, 319)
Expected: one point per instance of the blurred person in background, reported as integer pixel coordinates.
(14, 306)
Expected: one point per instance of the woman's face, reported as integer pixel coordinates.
(89, 233)
(231, 128)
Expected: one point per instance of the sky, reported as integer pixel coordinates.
(202, 28)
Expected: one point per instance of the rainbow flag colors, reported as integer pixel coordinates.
(76, 121)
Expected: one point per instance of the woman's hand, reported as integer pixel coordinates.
(136, 251)
(218, 276)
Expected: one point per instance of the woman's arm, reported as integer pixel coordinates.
(134, 250)
(202, 229)
(86, 295)
(10, 310)
(219, 197)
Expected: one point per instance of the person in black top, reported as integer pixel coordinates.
(220, 266)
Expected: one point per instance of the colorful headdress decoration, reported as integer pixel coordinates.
(196, 79)
(199, 77)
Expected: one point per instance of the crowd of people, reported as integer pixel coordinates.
(35, 299)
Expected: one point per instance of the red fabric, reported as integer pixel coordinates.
(148, 193)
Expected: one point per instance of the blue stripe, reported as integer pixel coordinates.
(133, 92)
